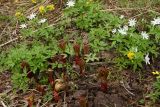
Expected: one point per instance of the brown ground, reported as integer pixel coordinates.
(126, 91)
(129, 89)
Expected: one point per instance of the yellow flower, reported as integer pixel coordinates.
(18, 14)
(34, 1)
(50, 7)
(41, 9)
(155, 73)
(130, 55)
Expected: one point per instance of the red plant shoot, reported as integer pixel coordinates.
(30, 74)
(76, 48)
(25, 65)
(56, 96)
(30, 100)
(83, 101)
(54, 58)
(103, 73)
(40, 88)
(81, 63)
(103, 86)
(62, 58)
(102, 76)
(62, 44)
(50, 75)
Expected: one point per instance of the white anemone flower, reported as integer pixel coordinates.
(144, 35)
(70, 3)
(42, 21)
(122, 31)
(132, 22)
(147, 59)
(22, 26)
(114, 30)
(31, 16)
(156, 21)
(121, 17)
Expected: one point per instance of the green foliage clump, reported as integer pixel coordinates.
(84, 23)
(155, 95)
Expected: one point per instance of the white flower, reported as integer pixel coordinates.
(144, 35)
(70, 3)
(132, 22)
(122, 31)
(121, 17)
(156, 21)
(125, 27)
(31, 16)
(42, 21)
(114, 30)
(22, 26)
(147, 59)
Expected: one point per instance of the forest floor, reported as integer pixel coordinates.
(125, 89)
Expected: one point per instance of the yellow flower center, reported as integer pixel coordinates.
(41, 9)
(18, 14)
(50, 7)
(34, 1)
(130, 55)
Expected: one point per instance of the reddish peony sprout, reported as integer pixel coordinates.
(76, 48)
(62, 44)
(30, 100)
(81, 63)
(30, 74)
(40, 88)
(82, 101)
(103, 73)
(50, 75)
(62, 58)
(104, 86)
(56, 96)
(25, 66)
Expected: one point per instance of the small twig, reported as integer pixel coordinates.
(139, 14)
(33, 90)
(124, 9)
(96, 63)
(64, 103)
(46, 104)
(3, 104)
(12, 40)
(4, 29)
(126, 88)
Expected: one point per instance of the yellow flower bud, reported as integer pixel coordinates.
(155, 73)
(50, 7)
(34, 1)
(130, 55)
(41, 9)
(18, 14)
